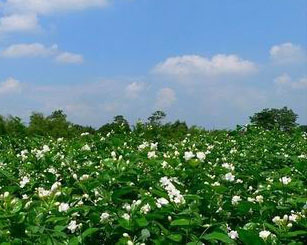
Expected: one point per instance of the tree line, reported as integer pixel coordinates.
(57, 125)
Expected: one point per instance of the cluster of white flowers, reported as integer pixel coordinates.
(143, 146)
(85, 134)
(161, 202)
(285, 180)
(264, 234)
(86, 148)
(233, 234)
(42, 193)
(25, 180)
(151, 154)
(230, 177)
(23, 155)
(228, 166)
(41, 153)
(63, 207)
(235, 200)
(145, 209)
(104, 217)
(73, 226)
(188, 155)
(173, 193)
(287, 220)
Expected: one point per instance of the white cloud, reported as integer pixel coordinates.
(194, 65)
(51, 6)
(165, 98)
(22, 15)
(18, 23)
(134, 89)
(287, 53)
(29, 50)
(39, 50)
(9, 86)
(285, 80)
(67, 57)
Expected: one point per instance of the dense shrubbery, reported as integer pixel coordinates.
(154, 186)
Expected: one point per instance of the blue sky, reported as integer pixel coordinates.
(210, 63)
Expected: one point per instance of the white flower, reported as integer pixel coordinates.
(235, 200)
(259, 199)
(188, 155)
(73, 226)
(229, 177)
(201, 156)
(113, 154)
(104, 216)
(151, 154)
(84, 177)
(161, 202)
(55, 186)
(264, 234)
(86, 148)
(154, 146)
(228, 166)
(42, 193)
(293, 217)
(145, 209)
(233, 234)
(130, 243)
(172, 192)
(63, 207)
(126, 216)
(285, 180)
(277, 220)
(24, 181)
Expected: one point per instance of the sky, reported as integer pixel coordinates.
(209, 63)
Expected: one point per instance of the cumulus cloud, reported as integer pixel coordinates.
(28, 50)
(39, 50)
(22, 15)
(287, 53)
(67, 57)
(134, 89)
(195, 65)
(9, 86)
(165, 98)
(286, 81)
(50, 6)
(18, 23)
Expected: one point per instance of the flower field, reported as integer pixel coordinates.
(246, 186)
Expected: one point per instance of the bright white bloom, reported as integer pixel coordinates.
(126, 216)
(228, 166)
(104, 217)
(154, 146)
(25, 180)
(84, 177)
(277, 220)
(73, 226)
(145, 209)
(63, 207)
(188, 155)
(264, 234)
(86, 148)
(161, 202)
(229, 177)
(55, 186)
(113, 154)
(201, 156)
(143, 146)
(285, 180)
(42, 193)
(151, 154)
(259, 199)
(130, 243)
(85, 134)
(293, 217)
(235, 200)
(233, 234)
(173, 193)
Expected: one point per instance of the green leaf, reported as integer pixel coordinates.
(295, 233)
(89, 232)
(181, 222)
(250, 237)
(217, 236)
(142, 222)
(74, 241)
(175, 237)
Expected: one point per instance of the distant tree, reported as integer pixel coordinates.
(303, 128)
(58, 124)
(156, 118)
(119, 125)
(283, 119)
(38, 124)
(14, 125)
(2, 125)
